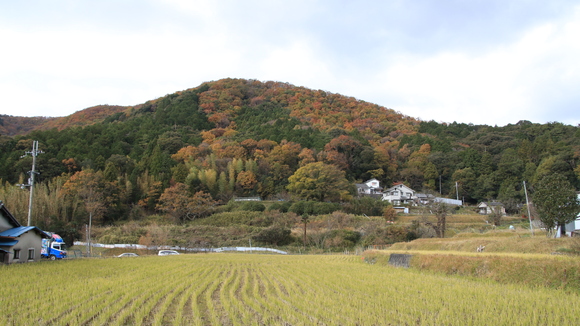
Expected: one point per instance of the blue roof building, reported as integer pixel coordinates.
(18, 244)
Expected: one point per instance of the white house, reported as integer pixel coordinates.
(369, 187)
(399, 194)
(485, 208)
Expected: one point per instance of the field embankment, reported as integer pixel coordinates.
(508, 258)
(496, 241)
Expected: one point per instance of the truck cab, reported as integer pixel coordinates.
(53, 248)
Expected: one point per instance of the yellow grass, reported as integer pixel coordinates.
(240, 289)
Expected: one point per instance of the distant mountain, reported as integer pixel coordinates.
(237, 137)
(14, 125)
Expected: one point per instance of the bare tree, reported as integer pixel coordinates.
(441, 210)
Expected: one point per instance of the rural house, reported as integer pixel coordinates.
(370, 187)
(18, 244)
(485, 208)
(399, 194)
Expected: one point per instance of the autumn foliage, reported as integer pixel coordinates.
(236, 137)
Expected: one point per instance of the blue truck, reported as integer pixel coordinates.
(53, 248)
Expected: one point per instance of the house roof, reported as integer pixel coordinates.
(4, 211)
(18, 231)
(6, 242)
(493, 203)
(398, 185)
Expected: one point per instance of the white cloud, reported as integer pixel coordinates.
(421, 70)
(296, 63)
(501, 86)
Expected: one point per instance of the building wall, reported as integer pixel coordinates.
(4, 224)
(27, 241)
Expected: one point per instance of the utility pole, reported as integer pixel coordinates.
(528, 206)
(88, 243)
(456, 190)
(32, 173)
(90, 238)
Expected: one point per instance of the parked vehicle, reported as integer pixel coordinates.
(128, 254)
(167, 252)
(53, 248)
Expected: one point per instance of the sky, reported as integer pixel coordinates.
(491, 62)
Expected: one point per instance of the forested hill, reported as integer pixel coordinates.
(14, 125)
(245, 137)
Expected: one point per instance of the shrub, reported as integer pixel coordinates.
(342, 238)
(280, 206)
(253, 206)
(389, 213)
(365, 206)
(324, 208)
(274, 235)
(388, 235)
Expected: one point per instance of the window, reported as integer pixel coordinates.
(31, 254)
(16, 254)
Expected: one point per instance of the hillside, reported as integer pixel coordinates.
(236, 137)
(14, 126)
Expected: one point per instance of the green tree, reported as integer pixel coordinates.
(556, 201)
(319, 181)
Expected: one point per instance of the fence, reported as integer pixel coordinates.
(187, 249)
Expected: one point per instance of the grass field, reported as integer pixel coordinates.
(243, 289)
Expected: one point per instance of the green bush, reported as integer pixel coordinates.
(365, 206)
(342, 238)
(280, 206)
(274, 235)
(253, 206)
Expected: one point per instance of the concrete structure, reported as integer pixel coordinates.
(18, 244)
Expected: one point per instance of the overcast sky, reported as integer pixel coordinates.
(484, 62)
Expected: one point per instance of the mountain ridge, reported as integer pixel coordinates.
(16, 125)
